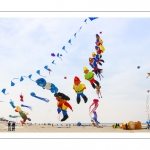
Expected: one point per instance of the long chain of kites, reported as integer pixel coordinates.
(40, 82)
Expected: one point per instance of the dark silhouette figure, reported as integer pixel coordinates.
(9, 126)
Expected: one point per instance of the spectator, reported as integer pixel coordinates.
(9, 126)
(13, 126)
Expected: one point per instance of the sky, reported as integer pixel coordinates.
(26, 45)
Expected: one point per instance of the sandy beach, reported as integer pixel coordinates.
(48, 128)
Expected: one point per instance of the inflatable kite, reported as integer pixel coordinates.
(62, 105)
(96, 70)
(13, 116)
(89, 75)
(22, 114)
(95, 104)
(95, 118)
(97, 58)
(12, 104)
(46, 85)
(79, 89)
(26, 106)
(21, 97)
(43, 99)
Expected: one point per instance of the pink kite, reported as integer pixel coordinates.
(95, 103)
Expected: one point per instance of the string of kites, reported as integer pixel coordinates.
(53, 62)
(42, 82)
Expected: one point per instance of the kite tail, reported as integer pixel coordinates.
(59, 115)
(44, 99)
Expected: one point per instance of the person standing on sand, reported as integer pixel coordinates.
(13, 126)
(9, 126)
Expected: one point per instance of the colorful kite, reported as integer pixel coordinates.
(95, 104)
(46, 85)
(89, 75)
(79, 89)
(21, 97)
(3, 91)
(62, 104)
(26, 106)
(22, 114)
(95, 118)
(43, 99)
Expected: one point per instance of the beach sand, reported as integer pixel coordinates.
(49, 128)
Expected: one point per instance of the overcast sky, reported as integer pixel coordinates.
(26, 46)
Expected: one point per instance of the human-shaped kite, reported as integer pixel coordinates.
(62, 105)
(96, 70)
(22, 114)
(79, 89)
(89, 75)
(21, 97)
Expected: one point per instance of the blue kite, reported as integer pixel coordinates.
(3, 91)
(43, 99)
(59, 56)
(46, 85)
(64, 48)
(92, 18)
(80, 28)
(12, 104)
(69, 41)
(85, 21)
(46, 67)
(38, 72)
(26, 106)
(12, 83)
(75, 34)
(53, 62)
